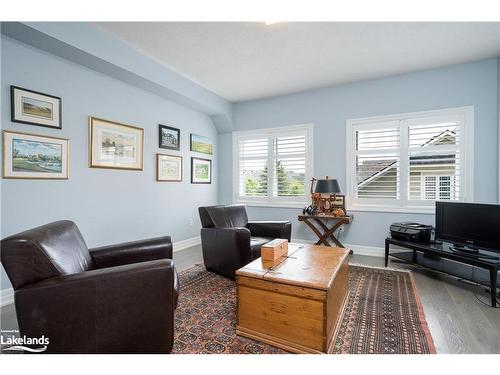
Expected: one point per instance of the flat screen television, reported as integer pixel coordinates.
(469, 224)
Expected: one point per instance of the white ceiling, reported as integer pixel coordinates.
(242, 61)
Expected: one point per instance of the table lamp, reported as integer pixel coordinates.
(326, 205)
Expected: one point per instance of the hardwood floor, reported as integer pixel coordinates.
(458, 322)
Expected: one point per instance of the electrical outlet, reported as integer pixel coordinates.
(191, 222)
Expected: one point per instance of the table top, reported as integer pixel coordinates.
(346, 218)
(305, 265)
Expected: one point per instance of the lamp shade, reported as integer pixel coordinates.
(328, 186)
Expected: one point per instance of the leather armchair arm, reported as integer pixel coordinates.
(132, 252)
(103, 310)
(275, 229)
(225, 249)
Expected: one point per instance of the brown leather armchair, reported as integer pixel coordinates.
(229, 241)
(111, 299)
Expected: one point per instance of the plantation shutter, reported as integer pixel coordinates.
(273, 166)
(377, 150)
(289, 165)
(407, 162)
(434, 152)
(253, 167)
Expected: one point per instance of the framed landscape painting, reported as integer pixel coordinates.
(168, 168)
(169, 137)
(115, 146)
(35, 108)
(201, 171)
(201, 144)
(34, 157)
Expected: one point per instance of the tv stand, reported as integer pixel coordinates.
(472, 252)
(445, 259)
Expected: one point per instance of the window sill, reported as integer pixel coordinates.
(273, 204)
(401, 210)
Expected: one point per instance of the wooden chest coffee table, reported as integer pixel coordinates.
(296, 303)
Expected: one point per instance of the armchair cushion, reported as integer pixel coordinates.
(273, 229)
(132, 252)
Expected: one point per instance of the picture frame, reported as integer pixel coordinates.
(201, 144)
(169, 137)
(168, 168)
(113, 145)
(31, 156)
(35, 108)
(201, 171)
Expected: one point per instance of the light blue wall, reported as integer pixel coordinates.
(329, 108)
(108, 205)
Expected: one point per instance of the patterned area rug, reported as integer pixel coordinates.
(383, 316)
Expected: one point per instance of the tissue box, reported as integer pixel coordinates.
(274, 249)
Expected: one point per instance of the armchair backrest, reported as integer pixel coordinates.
(206, 220)
(54, 249)
(223, 216)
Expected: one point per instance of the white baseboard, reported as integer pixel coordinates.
(185, 244)
(7, 297)
(371, 251)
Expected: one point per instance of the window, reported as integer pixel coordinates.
(406, 162)
(273, 166)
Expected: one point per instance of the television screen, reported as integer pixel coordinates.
(476, 225)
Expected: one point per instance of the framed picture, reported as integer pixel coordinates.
(35, 108)
(34, 157)
(168, 168)
(114, 145)
(169, 137)
(201, 171)
(201, 144)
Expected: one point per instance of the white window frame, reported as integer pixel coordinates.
(270, 201)
(403, 204)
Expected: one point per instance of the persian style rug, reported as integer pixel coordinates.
(383, 316)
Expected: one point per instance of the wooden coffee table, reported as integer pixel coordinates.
(297, 302)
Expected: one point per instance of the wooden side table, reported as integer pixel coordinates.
(319, 225)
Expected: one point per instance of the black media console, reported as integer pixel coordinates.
(443, 258)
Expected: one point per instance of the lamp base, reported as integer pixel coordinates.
(332, 204)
